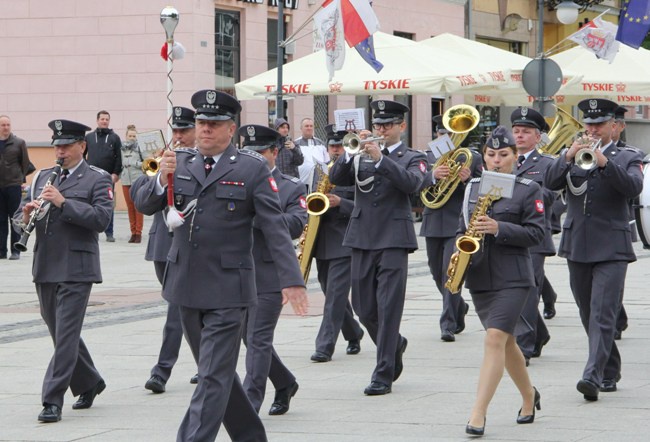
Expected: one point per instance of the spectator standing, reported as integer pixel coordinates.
(131, 171)
(289, 158)
(14, 162)
(313, 151)
(103, 150)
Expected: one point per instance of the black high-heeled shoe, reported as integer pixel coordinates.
(475, 431)
(531, 417)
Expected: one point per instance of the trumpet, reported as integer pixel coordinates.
(353, 144)
(151, 166)
(586, 158)
(21, 244)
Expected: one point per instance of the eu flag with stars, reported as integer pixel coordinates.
(634, 22)
(367, 51)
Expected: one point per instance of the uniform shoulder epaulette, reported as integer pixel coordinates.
(293, 179)
(632, 149)
(547, 155)
(475, 180)
(252, 154)
(97, 169)
(187, 150)
(525, 181)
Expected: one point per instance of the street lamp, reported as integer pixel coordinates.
(567, 12)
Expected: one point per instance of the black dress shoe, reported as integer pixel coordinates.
(156, 384)
(354, 345)
(447, 336)
(549, 311)
(475, 431)
(399, 366)
(376, 389)
(461, 321)
(319, 356)
(588, 389)
(50, 413)
(194, 379)
(282, 399)
(537, 351)
(86, 399)
(529, 419)
(609, 385)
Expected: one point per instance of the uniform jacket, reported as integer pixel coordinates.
(160, 240)
(534, 168)
(14, 161)
(210, 263)
(103, 149)
(333, 224)
(131, 162)
(443, 222)
(294, 208)
(381, 218)
(66, 246)
(596, 227)
(503, 261)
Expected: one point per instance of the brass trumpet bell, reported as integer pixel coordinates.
(317, 203)
(151, 166)
(353, 144)
(586, 158)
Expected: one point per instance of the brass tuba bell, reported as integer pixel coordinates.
(562, 131)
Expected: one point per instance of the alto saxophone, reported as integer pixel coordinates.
(469, 243)
(317, 205)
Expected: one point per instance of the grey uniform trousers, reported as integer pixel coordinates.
(597, 291)
(215, 337)
(63, 307)
(334, 278)
(439, 251)
(538, 331)
(378, 292)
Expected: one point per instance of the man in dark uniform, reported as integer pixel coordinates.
(262, 319)
(66, 263)
(158, 246)
(210, 271)
(527, 125)
(381, 234)
(596, 238)
(333, 264)
(439, 227)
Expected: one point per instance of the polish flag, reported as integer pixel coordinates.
(359, 20)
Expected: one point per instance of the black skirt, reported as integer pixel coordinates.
(500, 309)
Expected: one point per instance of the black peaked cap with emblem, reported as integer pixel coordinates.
(501, 138)
(437, 120)
(619, 113)
(182, 118)
(67, 132)
(334, 136)
(258, 137)
(215, 105)
(385, 111)
(525, 116)
(597, 110)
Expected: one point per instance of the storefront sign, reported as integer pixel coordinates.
(290, 4)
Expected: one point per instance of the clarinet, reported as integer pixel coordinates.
(27, 230)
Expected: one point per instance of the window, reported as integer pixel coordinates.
(227, 50)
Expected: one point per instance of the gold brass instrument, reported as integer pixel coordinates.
(151, 166)
(469, 243)
(317, 205)
(353, 144)
(21, 244)
(562, 131)
(586, 158)
(460, 120)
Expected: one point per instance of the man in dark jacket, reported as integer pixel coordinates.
(14, 162)
(103, 150)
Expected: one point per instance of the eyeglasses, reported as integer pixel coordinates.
(386, 126)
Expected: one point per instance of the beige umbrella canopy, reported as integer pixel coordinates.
(408, 69)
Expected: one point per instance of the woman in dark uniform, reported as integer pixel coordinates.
(501, 276)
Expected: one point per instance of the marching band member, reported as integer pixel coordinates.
(501, 276)
(439, 229)
(527, 125)
(210, 271)
(262, 319)
(66, 263)
(596, 237)
(158, 246)
(381, 234)
(333, 264)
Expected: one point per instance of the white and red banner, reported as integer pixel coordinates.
(329, 24)
(359, 20)
(599, 37)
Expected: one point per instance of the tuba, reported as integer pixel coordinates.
(460, 120)
(563, 130)
(317, 205)
(469, 243)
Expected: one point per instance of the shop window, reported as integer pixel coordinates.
(227, 50)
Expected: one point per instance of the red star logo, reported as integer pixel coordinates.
(336, 87)
(620, 87)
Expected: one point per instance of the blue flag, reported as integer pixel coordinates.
(634, 22)
(367, 51)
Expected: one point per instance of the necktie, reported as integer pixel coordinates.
(385, 151)
(209, 162)
(520, 161)
(64, 176)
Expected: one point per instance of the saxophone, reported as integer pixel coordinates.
(469, 243)
(317, 205)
